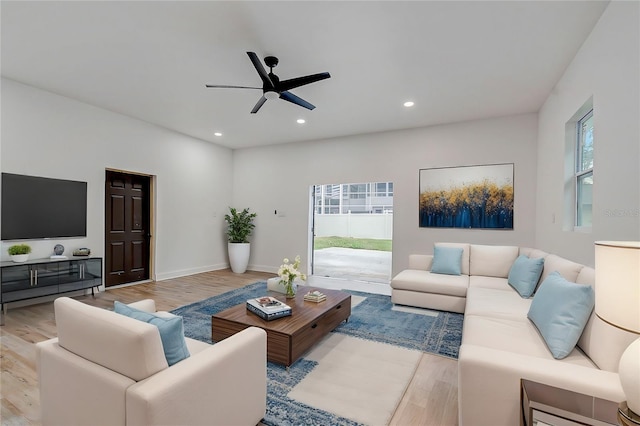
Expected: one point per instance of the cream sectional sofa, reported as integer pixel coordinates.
(500, 345)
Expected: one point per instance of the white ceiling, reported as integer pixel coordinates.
(457, 60)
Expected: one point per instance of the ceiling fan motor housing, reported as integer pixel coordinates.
(271, 61)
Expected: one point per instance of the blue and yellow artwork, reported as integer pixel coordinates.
(467, 197)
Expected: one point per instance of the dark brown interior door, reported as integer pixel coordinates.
(127, 217)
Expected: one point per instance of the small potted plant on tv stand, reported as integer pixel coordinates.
(19, 252)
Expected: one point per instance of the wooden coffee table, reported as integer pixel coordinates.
(290, 337)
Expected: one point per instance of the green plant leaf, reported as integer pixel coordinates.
(19, 249)
(240, 225)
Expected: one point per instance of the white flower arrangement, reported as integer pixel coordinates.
(288, 272)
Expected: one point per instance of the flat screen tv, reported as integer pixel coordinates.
(37, 207)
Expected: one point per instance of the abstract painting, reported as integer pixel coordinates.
(467, 197)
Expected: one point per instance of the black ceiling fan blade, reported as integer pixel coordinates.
(261, 102)
(290, 97)
(224, 86)
(263, 74)
(301, 81)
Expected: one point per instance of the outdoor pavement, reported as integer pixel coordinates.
(352, 264)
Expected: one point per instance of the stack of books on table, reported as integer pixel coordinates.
(315, 296)
(268, 308)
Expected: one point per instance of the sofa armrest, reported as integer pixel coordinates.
(67, 380)
(489, 383)
(225, 384)
(147, 305)
(420, 261)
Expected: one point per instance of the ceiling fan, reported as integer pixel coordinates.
(272, 87)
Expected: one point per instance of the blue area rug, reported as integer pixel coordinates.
(372, 319)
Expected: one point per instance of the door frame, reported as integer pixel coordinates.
(312, 230)
(313, 225)
(152, 224)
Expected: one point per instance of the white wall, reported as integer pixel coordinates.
(44, 134)
(279, 178)
(607, 67)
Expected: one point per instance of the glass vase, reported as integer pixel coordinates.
(290, 289)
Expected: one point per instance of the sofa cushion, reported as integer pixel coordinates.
(147, 305)
(496, 303)
(587, 276)
(420, 261)
(532, 252)
(127, 346)
(171, 331)
(447, 260)
(465, 254)
(524, 274)
(491, 261)
(568, 269)
(196, 346)
(426, 282)
(494, 283)
(517, 336)
(603, 343)
(560, 310)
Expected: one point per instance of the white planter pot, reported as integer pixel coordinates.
(239, 256)
(18, 258)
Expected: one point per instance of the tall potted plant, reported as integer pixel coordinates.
(240, 227)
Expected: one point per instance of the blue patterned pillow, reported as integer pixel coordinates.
(560, 310)
(171, 331)
(524, 275)
(447, 260)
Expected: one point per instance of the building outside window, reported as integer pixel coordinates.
(372, 198)
(584, 171)
(384, 189)
(327, 199)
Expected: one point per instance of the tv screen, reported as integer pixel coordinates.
(37, 207)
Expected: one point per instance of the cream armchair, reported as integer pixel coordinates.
(108, 369)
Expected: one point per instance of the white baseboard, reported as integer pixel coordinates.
(263, 268)
(186, 272)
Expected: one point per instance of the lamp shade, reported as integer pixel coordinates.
(618, 283)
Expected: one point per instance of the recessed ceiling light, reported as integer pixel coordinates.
(409, 104)
(301, 121)
(217, 134)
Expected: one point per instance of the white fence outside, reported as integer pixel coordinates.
(375, 226)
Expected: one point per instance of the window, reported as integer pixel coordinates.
(327, 199)
(577, 207)
(355, 191)
(354, 198)
(584, 171)
(384, 189)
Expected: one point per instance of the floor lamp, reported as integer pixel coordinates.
(618, 303)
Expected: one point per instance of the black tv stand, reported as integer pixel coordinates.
(45, 277)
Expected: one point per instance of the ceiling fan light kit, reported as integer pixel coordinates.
(272, 87)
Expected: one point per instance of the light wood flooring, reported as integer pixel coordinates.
(430, 399)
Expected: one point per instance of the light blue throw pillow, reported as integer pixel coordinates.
(524, 275)
(171, 331)
(447, 260)
(560, 310)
